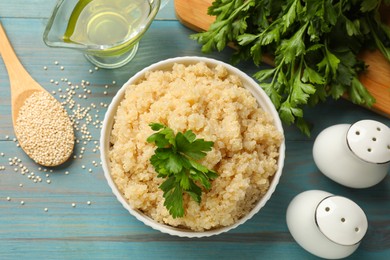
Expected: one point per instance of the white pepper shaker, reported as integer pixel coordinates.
(356, 156)
(326, 225)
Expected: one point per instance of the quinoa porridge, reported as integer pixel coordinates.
(215, 106)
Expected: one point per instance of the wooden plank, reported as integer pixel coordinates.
(193, 14)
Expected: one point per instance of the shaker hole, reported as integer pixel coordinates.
(357, 132)
(388, 146)
(342, 219)
(327, 209)
(374, 139)
(356, 229)
(369, 150)
(378, 129)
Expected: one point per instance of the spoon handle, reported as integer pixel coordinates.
(10, 59)
(18, 76)
(22, 84)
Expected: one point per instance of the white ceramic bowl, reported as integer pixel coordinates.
(262, 99)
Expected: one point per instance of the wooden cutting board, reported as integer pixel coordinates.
(193, 14)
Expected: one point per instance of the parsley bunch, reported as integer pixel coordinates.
(176, 158)
(315, 45)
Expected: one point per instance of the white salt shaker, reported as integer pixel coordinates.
(326, 225)
(356, 156)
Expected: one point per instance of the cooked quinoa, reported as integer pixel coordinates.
(215, 106)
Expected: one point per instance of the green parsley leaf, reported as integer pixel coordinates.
(176, 158)
(192, 147)
(315, 45)
(293, 47)
(368, 5)
(310, 75)
(173, 197)
(162, 138)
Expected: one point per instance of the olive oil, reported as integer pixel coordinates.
(106, 22)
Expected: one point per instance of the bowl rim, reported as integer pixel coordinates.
(262, 99)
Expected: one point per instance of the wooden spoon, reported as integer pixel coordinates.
(46, 135)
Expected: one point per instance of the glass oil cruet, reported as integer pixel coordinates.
(106, 31)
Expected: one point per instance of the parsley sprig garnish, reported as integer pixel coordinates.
(315, 45)
(176, 159)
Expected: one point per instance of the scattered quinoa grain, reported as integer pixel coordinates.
(85, 116)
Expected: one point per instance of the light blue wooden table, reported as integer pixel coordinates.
(72, 214)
